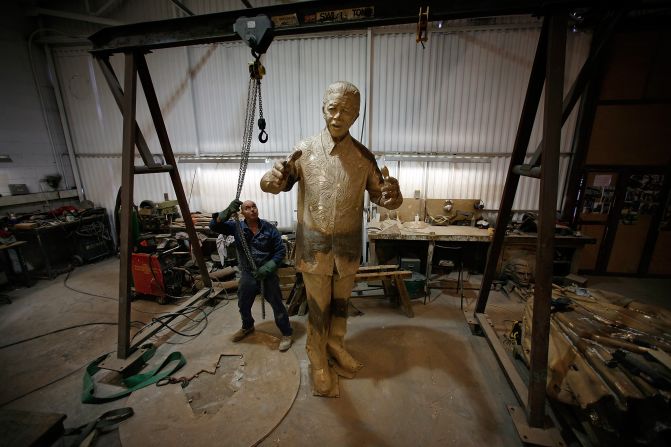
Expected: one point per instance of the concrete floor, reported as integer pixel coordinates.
(426, 381)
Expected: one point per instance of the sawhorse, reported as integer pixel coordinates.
(388, 274)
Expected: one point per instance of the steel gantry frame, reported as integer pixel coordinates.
(547, 70)
(136, 40)
(135, 65)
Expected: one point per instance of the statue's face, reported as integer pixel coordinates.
(521, 274)
(340, 112)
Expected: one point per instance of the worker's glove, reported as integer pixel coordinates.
(265, 270)
(233, 207)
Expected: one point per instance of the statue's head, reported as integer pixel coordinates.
(518, 271)
(340, 108)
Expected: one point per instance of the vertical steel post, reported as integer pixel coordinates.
(552, 124)
(127, 162)
(524, 128)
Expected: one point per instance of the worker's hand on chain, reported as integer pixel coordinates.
(391, 192)
(265, 270)
(233, 207)
(282, 171)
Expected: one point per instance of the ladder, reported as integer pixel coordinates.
(136, 65)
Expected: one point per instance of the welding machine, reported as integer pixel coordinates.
(155, 274)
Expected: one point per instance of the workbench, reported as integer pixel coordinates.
(10, 266)
(475, 242)
(53, 245)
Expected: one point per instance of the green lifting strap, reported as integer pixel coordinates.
(133, 382)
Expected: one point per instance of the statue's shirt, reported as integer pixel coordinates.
(332, 179)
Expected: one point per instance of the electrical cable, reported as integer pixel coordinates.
(228, 297)
(181, 312)
(135, 309)
(114, 324)
(184, 334)
(170, 328)
(65, 283)
(57, 331)
(42, 386)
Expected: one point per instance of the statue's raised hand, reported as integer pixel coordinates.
(276, 179)
(391, 192)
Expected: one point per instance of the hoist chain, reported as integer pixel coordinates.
(263, 135)
(253, 91)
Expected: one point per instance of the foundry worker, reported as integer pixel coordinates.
(333, 170)
(267, 250)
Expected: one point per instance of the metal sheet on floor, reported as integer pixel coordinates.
(238, 404)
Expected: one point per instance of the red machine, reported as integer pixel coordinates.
(147, 281)
(156, 274)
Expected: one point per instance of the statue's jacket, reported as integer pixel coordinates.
(332, 179)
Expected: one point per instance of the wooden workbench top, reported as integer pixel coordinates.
(12, 245)
(420, 231)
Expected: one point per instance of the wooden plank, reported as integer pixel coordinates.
(433, 232)
(403, 294)
(380, 275)
(370, 268)
(296, 298)
(513, 376)
(25, 226)
(429, 267)
(12, 245)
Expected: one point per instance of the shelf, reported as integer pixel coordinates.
(37, 197)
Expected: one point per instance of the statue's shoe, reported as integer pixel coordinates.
(321, 381)
(344, 359)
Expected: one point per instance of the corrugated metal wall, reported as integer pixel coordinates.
(461, 95)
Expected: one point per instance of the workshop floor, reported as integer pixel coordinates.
(426, 381)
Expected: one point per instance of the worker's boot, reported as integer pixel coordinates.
(336, 345)
(242, 333)
(285, 343)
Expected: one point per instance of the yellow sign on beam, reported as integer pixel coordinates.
(341, 15)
